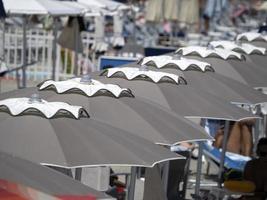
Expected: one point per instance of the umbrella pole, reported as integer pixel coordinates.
(199, 168)
(76, 51)
(256, 133)
(54, 50)
(165, 175)
(132, 183)
(78, 174)
(225, 136)
(264, 125)
(24, 54)
(3, 39)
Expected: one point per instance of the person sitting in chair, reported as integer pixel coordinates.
(255, 171)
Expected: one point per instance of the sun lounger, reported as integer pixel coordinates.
(232, 160)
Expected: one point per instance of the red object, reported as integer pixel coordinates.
(76, 197)
(120, 189)
(16, 191)
(6, 195)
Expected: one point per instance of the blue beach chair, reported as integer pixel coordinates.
(232, 160)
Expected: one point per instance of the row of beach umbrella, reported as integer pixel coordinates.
(124, 123)
(235, 86)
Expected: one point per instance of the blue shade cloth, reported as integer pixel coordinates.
(232, 161)
(2, 10)
(212, 126)
(110, 62)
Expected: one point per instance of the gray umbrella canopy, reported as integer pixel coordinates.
(67, 142)
(224, 87)
(183, 99)
(255, 57)
(135, 115)
(258, 60)
(221, 86)
(259, 43)
(236, 69)
(16, 170)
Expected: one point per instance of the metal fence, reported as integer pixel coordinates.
(39, 49)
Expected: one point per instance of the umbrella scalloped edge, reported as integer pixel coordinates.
(88, 87)
(233, 46)
(205, 52)
(30, 106)
(182, 63)
(131, 73)
(252, 36)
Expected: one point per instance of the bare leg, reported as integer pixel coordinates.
(233, 144)
(218, 139)
(246, 140)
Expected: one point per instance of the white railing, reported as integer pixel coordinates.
(39, 49)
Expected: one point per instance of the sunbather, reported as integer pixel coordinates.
(239, 139)
(255, 171)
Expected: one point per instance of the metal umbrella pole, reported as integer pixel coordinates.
(131, 188)
(24, 53)
(78, 174)
(76, 36)
(264, 125)
(54, 50)
(3, 39)
(165, 175)
(199, 168)
(225, 136)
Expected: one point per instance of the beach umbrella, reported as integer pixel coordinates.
(238, 46)
(259, 60)
(227, 63)
(214, 53)
(39, 7)
(221, 86)
(134, 115)
(258, 39)
(126, 118)
(57, 134)
(90, 135)
(181, 99)
(255, 56)
(34, 181)
(104, 4)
